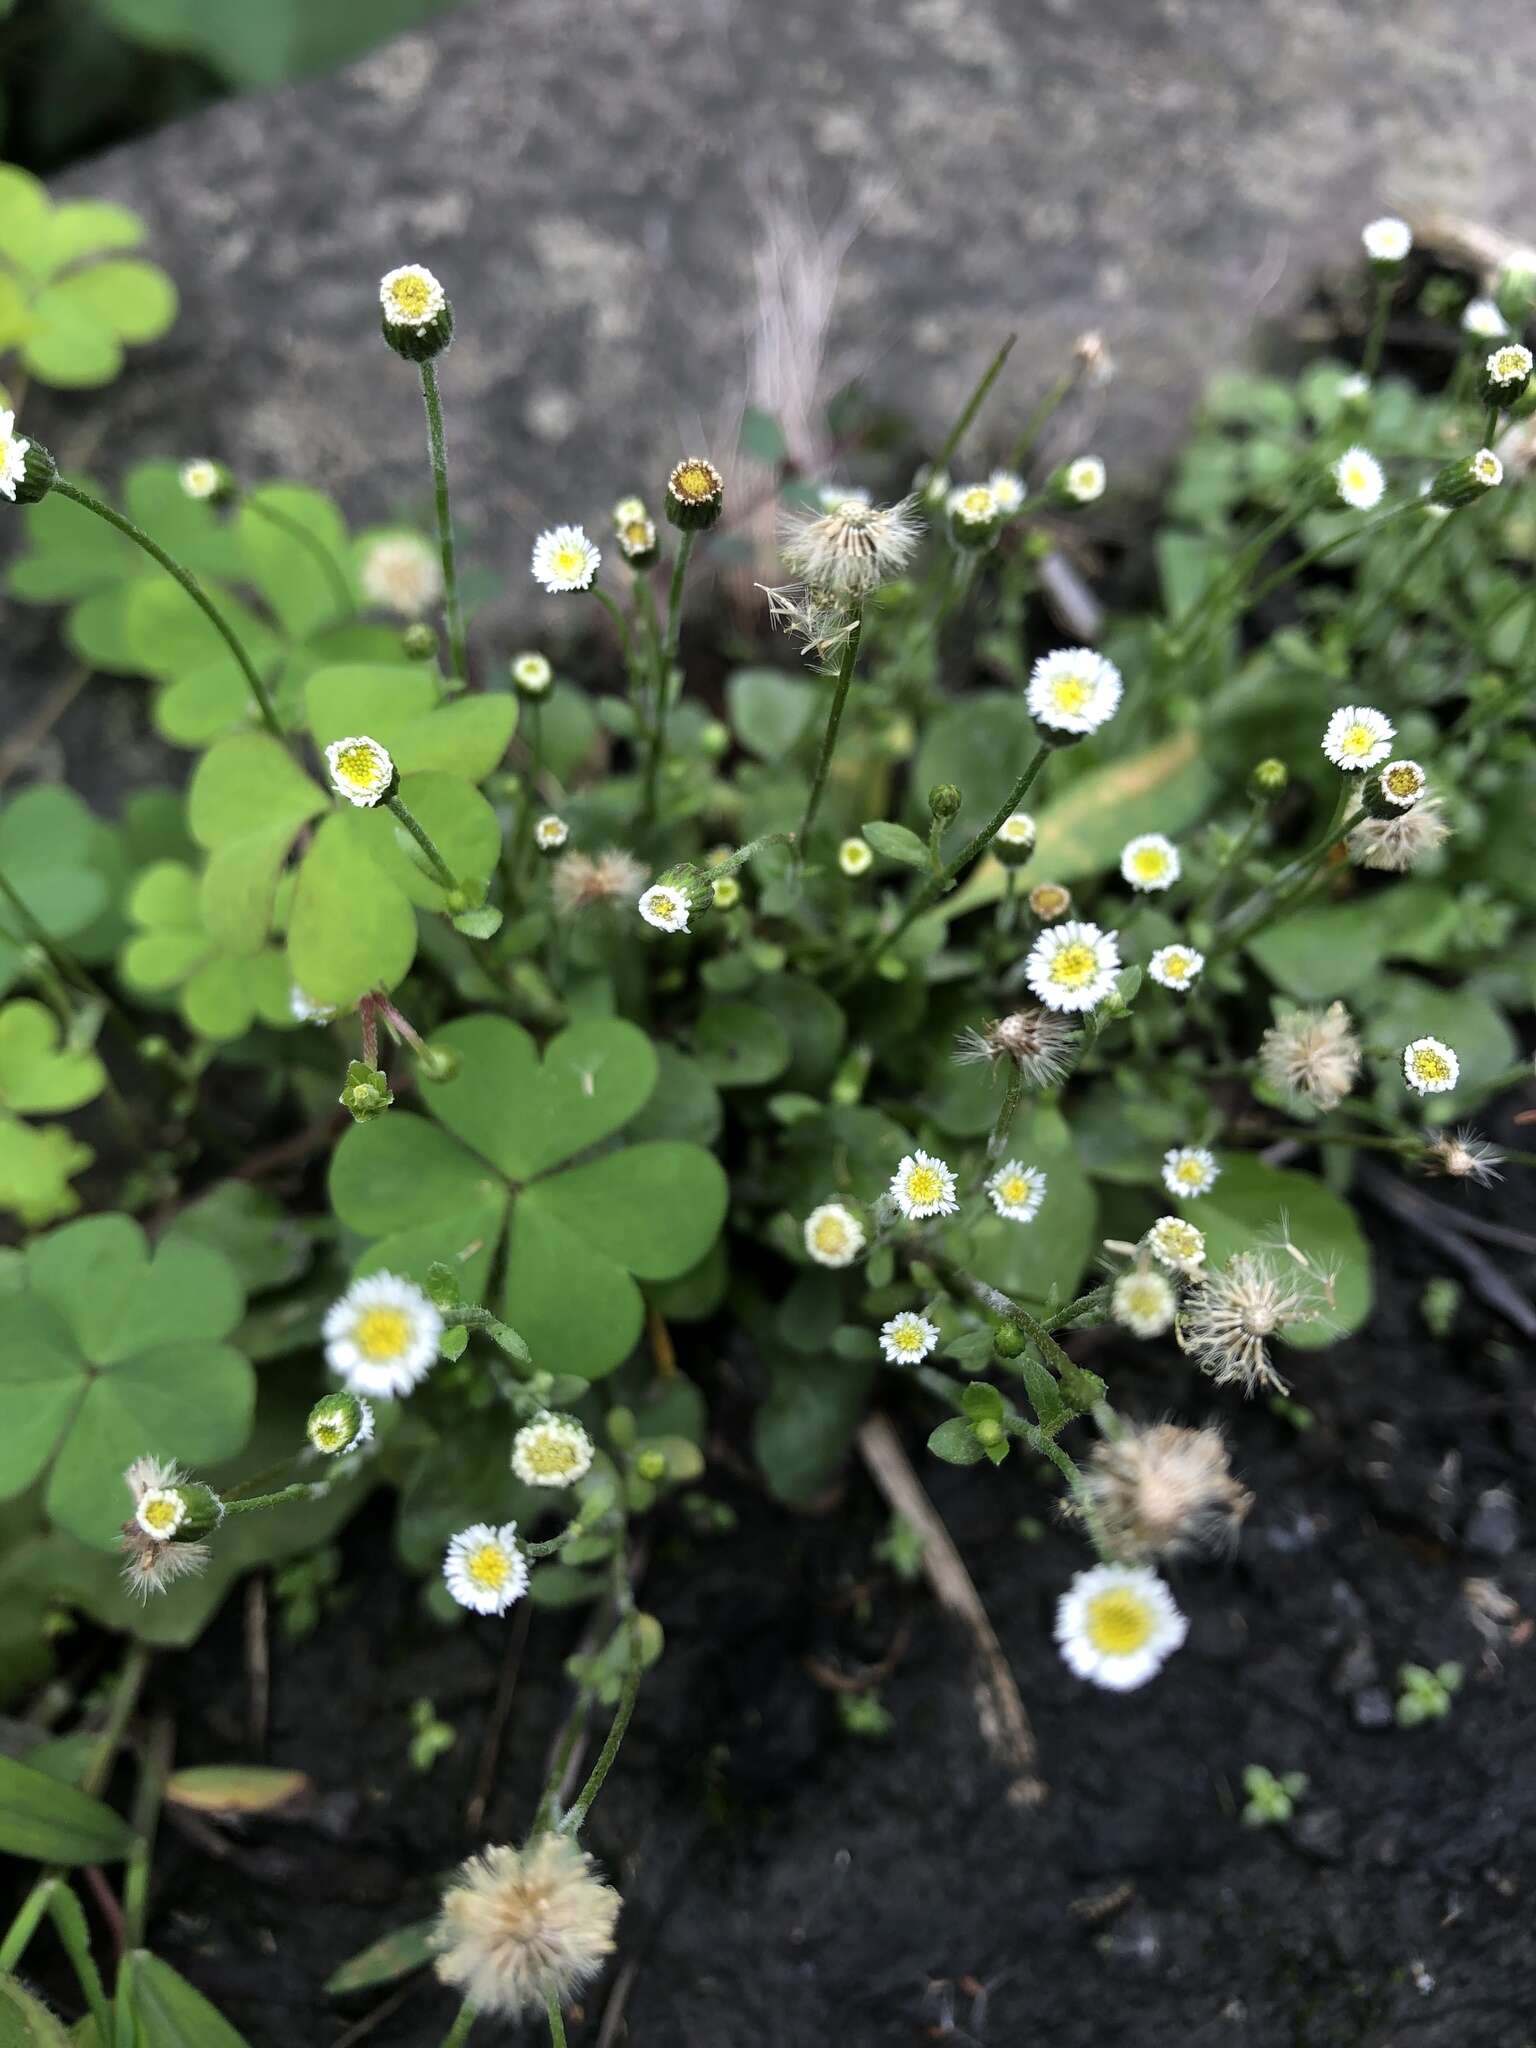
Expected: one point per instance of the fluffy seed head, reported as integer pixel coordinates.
(520, 1927)
(1463, 1154)
(403, 574)
(1394, 845)
(851, 548)
(1226, 1321)
(1161, 1490)
(821, 620)
(581, 879)
(1040, 1044)
(1312, 1053)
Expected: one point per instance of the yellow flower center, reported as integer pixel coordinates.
(907, 1337)
(359, 766)
(1356, 739)
(1430, 1065)
(329, 1432)
(925, 1184)
(489, 1566)
(1149, 862)
(637, 535)
(1074, 965)
(1508, 363)
(831, 1234)
(1402, 781)
(1118, 1622)
(1189, 1172)
(978, 504)
(694, 483)
(1176, 965)
(1015, 1189)
(570, 559)
(381, 1333)
(1180, 1240)
(1144, 1297)
(411, 295)
(1016, 831)
(1356, 477)
(162, 1516)
(1049, 900)
(1071, 692)
(663, 905)
(551, 1454)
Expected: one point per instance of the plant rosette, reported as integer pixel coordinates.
(519, 1181)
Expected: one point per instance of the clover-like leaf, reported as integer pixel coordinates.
(37, 1163)
(108, 1353)
(579, 1233)
(37, 1072)
(220, 993)
(51, 855)
(399, 705)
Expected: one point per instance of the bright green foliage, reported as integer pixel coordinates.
(69, 301)
(1425, 1695)
(37, 1163)
(38, 1073)
(106, 1355)
(1271, 1801)
(500, 1161)
(53, 1823)
(61, 862)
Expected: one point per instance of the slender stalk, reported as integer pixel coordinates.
(191, 586)
(28, 1918)
(301, 1489)
(617, 616)
(330, 568)
(1038, 420)
(1490, 426)
(974, 403)
(666, 656)
(829, 737)
(1370, 362)
(153, 1772)
(571, 1824)
(69, 1924)
(556, 2023)
(432, 399)
(1262, 905)
(419, 833)
(1325, 548)
(458, 2033)
(997, 1143)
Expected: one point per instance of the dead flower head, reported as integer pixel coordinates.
(1396, 844)
(1312, 1053)
(613, 876)
(850, 548)
(1040, 1044)
(1462, 1154)
(1226, 1320)
(520, 1927)
(1160, 1490)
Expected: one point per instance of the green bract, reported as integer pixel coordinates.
(108, 1354)
(508, 1159)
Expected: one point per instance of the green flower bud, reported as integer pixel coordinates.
(437, 1063)
(988, 1430)
(417, 318)
(1515, 293)
(39, 473)
(1081, 1390)
(1269, 777)
(1009, 1341)
(204, 1511)
(418, 642)
(714, 739)
(944, 800)
(651, 1466)
(1505, 374)
(337, 1422)
(695, 494)
(366, 1094)
(1460, 483)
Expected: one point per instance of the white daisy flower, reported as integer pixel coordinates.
(160, 1512)
(1487, 468)
(551, 833)
(1176, 967)
(411, 296)
(402, 573)
(1150, 862)
(1085, 479)
(1176, 1244)
(1017, 1191)
(565, 559)
(1143, 1302)
(665, 908)
(1072, 966)
(1430, 1067)
(361, 770)
(1017, 831)
(13, 455)
(908, 1338)
(972, 508)
(1117, 1625)
(1008, 492)
(552, 1450)
(1387, 240)
(855, 857)
(1073, 690)
(381, 1337)
(627, 511)
(1190, 1170)
(1509, 365)
(923, 1186)
(834, 1236)
(484, 1569)
(532, 673)
(201, 478)
(1482, 318)
(1358, 737)
(1402, 783)
(1360, 479)
(637, 542)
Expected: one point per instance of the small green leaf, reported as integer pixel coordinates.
(48, 1822)
(388, 1959)
(236, 1788)
(37, 1074)
(740, 1046)
(895, 842)
(955, 1442)
(769, 709)
(169, 2013)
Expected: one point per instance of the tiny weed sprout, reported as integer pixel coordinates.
(540, 1078)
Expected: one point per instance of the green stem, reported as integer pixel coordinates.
(614, 612)
(666, 656)
(571, 1824)
(330, 568)
(1410, 562)
(28, 1918)
(432, 399)
(1240, 847)
(191, 586)
(556, 2023)
(301, 1489)
(1288, 884)
(69, 1923)
(973, 404)
(1038, 420)
(153, 1772)
(997, 1143)
(418, 832)
(458, 2033)
(829, 737)
(1376, 338)
(1325, 548)
(1490, 426)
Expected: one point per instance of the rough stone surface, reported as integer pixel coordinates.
(590, 178)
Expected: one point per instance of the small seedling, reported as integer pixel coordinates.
(1271, 1801)
(1426, 1695)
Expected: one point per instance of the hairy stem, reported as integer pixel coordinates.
(432, 399)
(829, 737)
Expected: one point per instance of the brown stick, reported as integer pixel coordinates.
(1004, 1724)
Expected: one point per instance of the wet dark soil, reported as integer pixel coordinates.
(788, 1882)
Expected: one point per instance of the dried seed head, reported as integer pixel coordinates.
(1396, 844)
(522, 1926)
(612, 876)
(1041, 1045)
(1160, 1490)
(851, 548)
(1225, 1322)
(1312, 1053)
(1463, 1154)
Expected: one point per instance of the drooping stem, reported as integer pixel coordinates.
(1040, 418)
(419, 833)
(432, 399)
(829, 737)
(330, 568)
(191, 586)
(571, 1824)
(666, 656)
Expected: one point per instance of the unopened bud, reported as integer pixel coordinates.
(1269, 777)
(695, 494)
(418, 642)
(417, 318)
(944, 800)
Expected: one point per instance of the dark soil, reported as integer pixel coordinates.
(787, 1883)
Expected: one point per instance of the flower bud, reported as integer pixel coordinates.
(1082, 1390)
(207, 481)
(987, 1430)
(1515, 293)
(675, 895)
(366, 1094)
(1460, 483)
(1009, 1341)
(339, 1422)
(695, 495)
(1387, 244)
(1050, 900)
(944, 800)
(638, 544)
(39, 473)
(1269, 777)
(1393, 788)
(1506, 372)
(975, 516)
(1014, 840)
(418, 642)
(437, 1063)
(531, 674)
(651, 1466)
(417, 318)
(714, 739)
